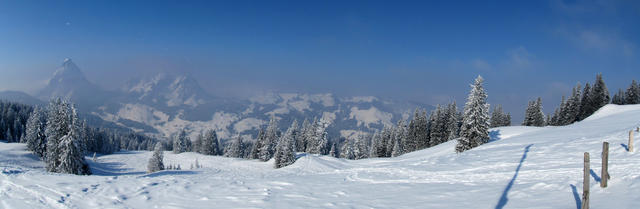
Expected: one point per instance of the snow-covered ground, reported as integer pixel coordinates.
(522, 167)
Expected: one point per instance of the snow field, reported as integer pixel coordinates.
(522, 167)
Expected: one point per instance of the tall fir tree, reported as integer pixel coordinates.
(236, 149)
(632, 96)
(599, 95)
(210, 144)
(585, 108)
(255, 149)
(619, 98)
(271, 137)
(475, 126)
(35, 133)
(286, 149)
(58, 125)
(181, 142)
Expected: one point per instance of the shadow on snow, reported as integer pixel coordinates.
(503, 199)
(576, 196)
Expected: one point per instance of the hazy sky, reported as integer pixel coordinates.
(426, 51)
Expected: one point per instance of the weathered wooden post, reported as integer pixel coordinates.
(585, 182)
(630, 144)
(605, 165)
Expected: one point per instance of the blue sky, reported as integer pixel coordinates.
(426, 51)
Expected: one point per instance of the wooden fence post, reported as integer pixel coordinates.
(585, 182)
(605, 165)
(630, 144)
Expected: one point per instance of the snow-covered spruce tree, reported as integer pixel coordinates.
(376, 144)
(156, 160)
(599, 95)
(271, 137)
(399, 140)
(347, 150)
(391, 141)
(498, 117)
(534, 115)
(285, 151)
(584, 102)
(618, 98)
(318, 144)
(475, 126)
(360, 148)
(58, 125)
(255, 149)
(632, 96)
(197, 144)
(334, 150)
(439, 132)
(35, 137)
(452, 121)
(538, 115)
(71, 153)
(236, 149)
(210, 145)
(301, 143)
(572, 107)
(181, 142)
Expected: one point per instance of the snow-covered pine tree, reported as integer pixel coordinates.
(71, 151)
(538, 114)
(58, 125)
(585, 102)
(411, 142)
(361, 150)
(156, 160)
(497, 117)
(632, 96)
(438, 128)
(618, 98)
(507, 120)
(392, 138)
(475, 127)
(599, 95)
(35, 136)
(301, 143)
(271, 137)
(572, 109)
(452, 121)
(319, 142)
(400, 136)
(376, 142)
(285, 151)
(198, 145)
(334, 150)
(210, 145)
(236, 148)
(255, 149)
(181, 142)
(347, 150)
(387, 135)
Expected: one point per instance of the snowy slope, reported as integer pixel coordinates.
(523, 167)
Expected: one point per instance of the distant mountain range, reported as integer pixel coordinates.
(166, 103)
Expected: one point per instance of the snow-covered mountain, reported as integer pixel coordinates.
(522, 167)
(163, 104)
(69, 82)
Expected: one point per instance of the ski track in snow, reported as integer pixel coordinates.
(501, 173)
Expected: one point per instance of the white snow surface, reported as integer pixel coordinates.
(522, 167)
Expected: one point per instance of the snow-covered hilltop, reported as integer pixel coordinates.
(521, 167)
(163, 104)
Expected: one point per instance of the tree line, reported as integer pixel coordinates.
(56, 135)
